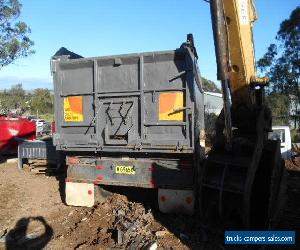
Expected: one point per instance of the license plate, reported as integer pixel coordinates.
(125, 170)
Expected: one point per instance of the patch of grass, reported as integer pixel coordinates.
(47, 117)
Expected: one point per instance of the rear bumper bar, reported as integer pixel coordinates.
(147, 173)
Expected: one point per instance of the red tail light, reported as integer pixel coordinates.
(73, 160)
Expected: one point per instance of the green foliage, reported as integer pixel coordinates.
(17, 101)
(42, 101)
(279, 104)
(210, 86)
(281, 64)
(47, 117)
(14, 40)
(13, 100)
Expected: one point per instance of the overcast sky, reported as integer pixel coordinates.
(106, 27)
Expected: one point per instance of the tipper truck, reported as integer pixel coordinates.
(130, 120)
(138, 120)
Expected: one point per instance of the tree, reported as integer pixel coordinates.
(14, 40)
(42, 101)
(280, 108)
(282, 60)
(14, 100)
(209, 85)
(281, 63)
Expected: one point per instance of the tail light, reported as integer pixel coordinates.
(71, 160)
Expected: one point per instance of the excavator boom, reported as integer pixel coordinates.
(232, 24)
(241, 173)
(240, 16)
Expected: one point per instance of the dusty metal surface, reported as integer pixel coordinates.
(147, 102)
(148, 173)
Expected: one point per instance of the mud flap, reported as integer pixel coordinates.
(80, 194)
(176, 201)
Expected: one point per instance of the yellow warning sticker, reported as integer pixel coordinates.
(73, 109)
(171, 106)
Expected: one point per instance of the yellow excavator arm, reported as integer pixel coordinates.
(239, 16)
(232, 22)
(238, 170)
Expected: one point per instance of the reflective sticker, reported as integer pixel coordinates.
(73, 109)
(171, 106)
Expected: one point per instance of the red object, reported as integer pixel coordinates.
(99, 177)
(152, 168)
(99, 167)
(13, 128)
(153, 183)
(163, 198)
(53, 130)
(73, 160)
(189, 200)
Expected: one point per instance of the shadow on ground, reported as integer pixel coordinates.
(2, 159)
(29, 233)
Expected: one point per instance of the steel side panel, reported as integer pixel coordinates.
(121, 103)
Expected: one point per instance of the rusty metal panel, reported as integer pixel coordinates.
(147, 173)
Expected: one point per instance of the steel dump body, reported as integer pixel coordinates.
(136, 103)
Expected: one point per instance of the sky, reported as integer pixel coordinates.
(108, 27)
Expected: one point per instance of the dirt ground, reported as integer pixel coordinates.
(33, 216)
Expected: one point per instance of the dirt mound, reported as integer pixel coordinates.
(121, 224)
(114, 223)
